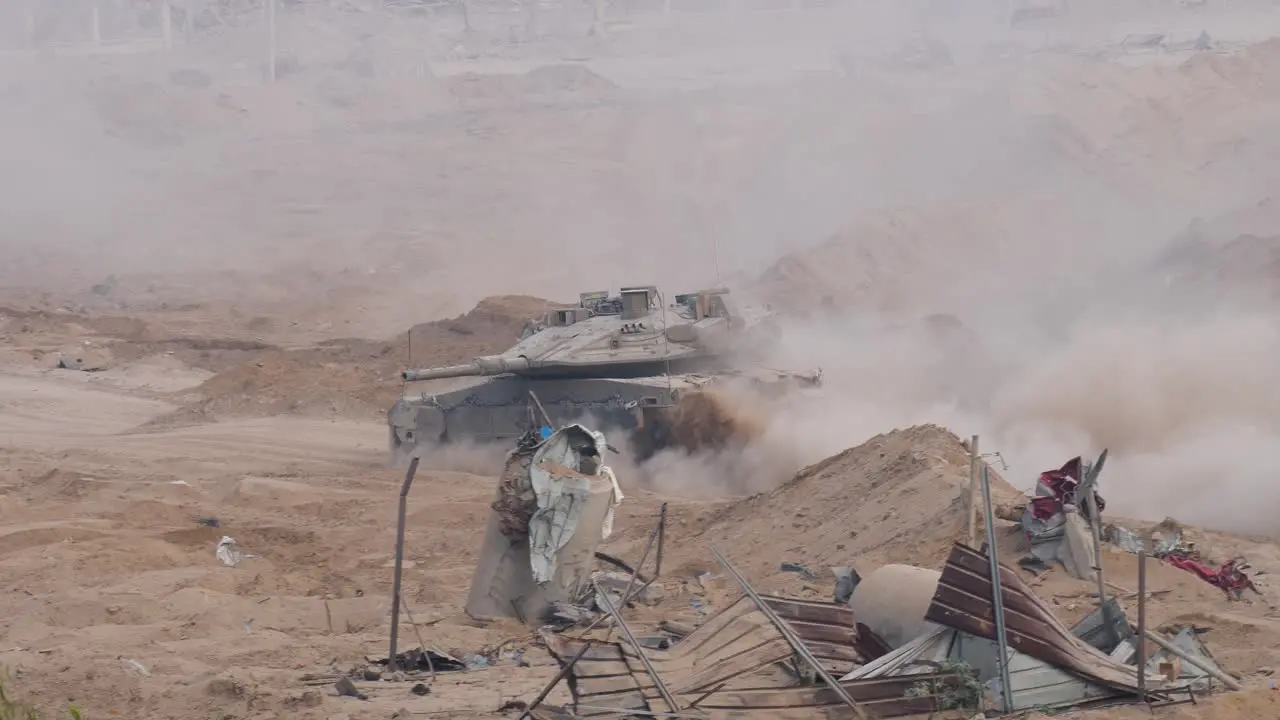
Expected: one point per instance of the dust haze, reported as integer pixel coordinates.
(1054, 234)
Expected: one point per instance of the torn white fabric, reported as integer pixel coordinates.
(601, 444)
(227, 552)
(561, 492)
(614, 502)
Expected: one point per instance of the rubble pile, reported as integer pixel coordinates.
(915, 620)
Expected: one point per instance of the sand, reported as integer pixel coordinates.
(246, 261)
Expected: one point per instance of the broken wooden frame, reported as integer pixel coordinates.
(658, 534)
(796, 643)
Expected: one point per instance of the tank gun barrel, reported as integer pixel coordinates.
(480, 367)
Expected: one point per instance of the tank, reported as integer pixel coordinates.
(623, 363)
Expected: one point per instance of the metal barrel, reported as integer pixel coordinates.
(481, 366)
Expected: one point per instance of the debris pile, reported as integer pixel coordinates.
(900, 640)
(1167, 543)
(1058, 517)
(1057, 525)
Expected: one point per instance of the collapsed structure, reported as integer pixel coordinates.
(629, 362)
(743, 662)
(901, 641)
(904, 640)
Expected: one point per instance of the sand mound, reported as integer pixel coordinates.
(361, 378)
(896, 498)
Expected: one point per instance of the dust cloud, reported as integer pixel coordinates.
(967, 220)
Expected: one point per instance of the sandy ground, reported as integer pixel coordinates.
(244, 261)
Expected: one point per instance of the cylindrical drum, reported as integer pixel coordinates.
(893, 600)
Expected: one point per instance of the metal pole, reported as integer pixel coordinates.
(1207, 667)
(564, 671)
(997, 594)
(662, 540)
(545, 416)
(395, 592)
(1089, 485)
(635, 574)
(1142, 625)
(789, 635)
(431, 664)
(640, 653)
(972, 502)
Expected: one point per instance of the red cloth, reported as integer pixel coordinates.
(1062, 483)
(1229, 577)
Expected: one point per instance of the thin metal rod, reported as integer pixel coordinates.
(542, 410)
(974, 459)
(997, 594)
(640, 653)
(1208, 668)
(431, 664)
(546, 690)
(1142, 625)
(395, 591)
(1089, 485)
(662, 541)
(635, 574)
(638, 713)
(796, 643)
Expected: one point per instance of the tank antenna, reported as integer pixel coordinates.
(666, 350)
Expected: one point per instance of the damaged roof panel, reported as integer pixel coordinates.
(963, 602)
(731, 666)
(829, 631)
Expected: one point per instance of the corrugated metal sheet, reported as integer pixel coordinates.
(1188, 674)
(915, 657)
(1092, 628)
(963, 602)
(729, 666)
(1037, 684)
(830, 632)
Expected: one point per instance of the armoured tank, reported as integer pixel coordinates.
(624, 363)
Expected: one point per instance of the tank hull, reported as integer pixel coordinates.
(640, 413)
(502, 409)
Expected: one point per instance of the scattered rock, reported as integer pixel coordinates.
(420, 689)
(225, 687)
(346, 688)
(653, 595)
(372, 674)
